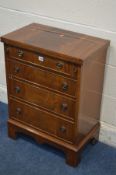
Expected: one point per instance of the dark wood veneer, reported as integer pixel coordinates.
(39, 76)
(49, 62)
(55, 78)
(41, 97)
(40, 119)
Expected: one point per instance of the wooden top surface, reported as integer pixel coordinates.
(67, 45)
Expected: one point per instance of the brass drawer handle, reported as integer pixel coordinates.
(20, 53)
(18, 111)
(17, 89)
(64, 107)
(17, 69)
(64, 86)
(59, 65)
(63, 129)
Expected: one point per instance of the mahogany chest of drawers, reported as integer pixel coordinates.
(54, 82)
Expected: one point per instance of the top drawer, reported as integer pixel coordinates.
(43, 61)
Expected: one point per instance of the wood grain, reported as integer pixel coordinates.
(39, 76)
(66, 45)
(49, 63)
(41, 97)
(41, 120)
(55, 82)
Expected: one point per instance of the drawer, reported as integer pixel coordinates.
(41, 120)
(44, 98)
(42, 77)
(43, 61)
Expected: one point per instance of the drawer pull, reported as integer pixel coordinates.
(17, 89)
(17, 69)
(63, 129)
(18, 111)
(64, 107)
(20, 53)
(65, 86)
(59, 65)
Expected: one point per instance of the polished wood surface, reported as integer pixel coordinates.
(66, 45)
(91, 83)
(39, 76)
(41, 97)
(41, 120)
(54, 82)
(43, 61)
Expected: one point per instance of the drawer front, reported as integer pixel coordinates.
(41, 120)
(43, 98)
(43, 61)
(42, 77)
